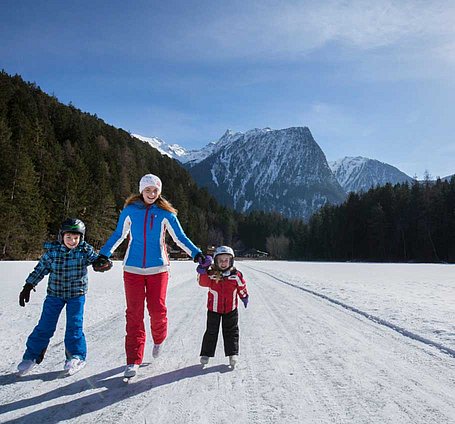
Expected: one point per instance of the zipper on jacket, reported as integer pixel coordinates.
(145, 235)
(223, 289)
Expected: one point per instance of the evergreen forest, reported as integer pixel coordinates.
(57, 161)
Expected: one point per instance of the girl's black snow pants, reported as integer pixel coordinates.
(230, 326)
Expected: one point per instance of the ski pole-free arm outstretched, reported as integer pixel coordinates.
(180, 238)
(120, 233)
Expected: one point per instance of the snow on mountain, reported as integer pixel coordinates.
(175, 151)
(360, 174)
(172, 150)
(196, 156)
(270, 170)
(277, 170)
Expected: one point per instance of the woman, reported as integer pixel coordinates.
(146, 218)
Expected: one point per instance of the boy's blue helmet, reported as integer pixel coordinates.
(72, 225)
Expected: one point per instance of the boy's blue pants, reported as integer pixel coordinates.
(75, 344)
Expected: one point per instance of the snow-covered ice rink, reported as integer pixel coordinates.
(319, 343)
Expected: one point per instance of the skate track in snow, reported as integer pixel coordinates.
(373, 318)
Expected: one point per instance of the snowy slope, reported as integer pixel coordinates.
(176, 151)
(304, 359)
(360, 174)
(172, 150)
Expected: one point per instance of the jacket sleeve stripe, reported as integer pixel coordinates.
(124, 233)
(178, 241)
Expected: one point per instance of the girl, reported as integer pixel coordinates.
(146, 218)
(225, 284)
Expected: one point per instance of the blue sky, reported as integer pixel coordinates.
(369, 78)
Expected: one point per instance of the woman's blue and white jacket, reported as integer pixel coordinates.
(146, 227)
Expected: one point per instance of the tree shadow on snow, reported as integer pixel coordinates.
(116, 391)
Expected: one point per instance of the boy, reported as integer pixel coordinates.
(225, 284)
(66, 262)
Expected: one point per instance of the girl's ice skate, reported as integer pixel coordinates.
(233, 360)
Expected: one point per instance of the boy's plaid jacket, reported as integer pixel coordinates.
(67, 269)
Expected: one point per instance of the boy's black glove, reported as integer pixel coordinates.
(200, 257)
(102, 263)
(24, 295)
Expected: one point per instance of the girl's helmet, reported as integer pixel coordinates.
(224, 250)
(71, 225)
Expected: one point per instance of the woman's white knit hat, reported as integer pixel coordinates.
(150, 180)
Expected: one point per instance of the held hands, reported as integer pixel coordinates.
(24, 295)
(245, 301)
(200, 257)
(102, 264)
(204, 264)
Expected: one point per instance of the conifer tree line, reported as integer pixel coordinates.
(57, 161)
(401, 223)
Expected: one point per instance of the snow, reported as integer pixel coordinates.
(303, 357)
(177, 152)
(348, 170)
(360, 174)
(161, 146)
(215, 180)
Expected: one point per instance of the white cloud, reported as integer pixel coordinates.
(294, 28)
(409, 32)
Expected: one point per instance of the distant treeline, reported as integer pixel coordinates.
(392, 223)
(57, 161)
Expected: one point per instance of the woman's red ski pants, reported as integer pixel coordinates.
(138, 290)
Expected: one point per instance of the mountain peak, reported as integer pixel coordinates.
(228, 133)
(272, 170)
(360, 174)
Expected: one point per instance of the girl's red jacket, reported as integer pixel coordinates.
(222, 295)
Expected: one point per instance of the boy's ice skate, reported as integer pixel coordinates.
(73, 365)
(130, 373)
(25, 366)
(204, 360)
(157, 350)
(233, 360)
